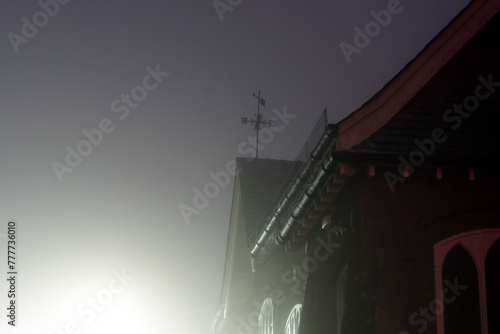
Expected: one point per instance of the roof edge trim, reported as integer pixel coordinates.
(362, 123)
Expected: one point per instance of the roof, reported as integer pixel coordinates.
(470, 140)
(379, 110)
(412, 106)
(260, 180)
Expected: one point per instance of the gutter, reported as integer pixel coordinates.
(325, 144)
(327, 168)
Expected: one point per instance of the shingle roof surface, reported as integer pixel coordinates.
(260, 180)
(474, 139)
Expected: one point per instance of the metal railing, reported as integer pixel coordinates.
(300, 162)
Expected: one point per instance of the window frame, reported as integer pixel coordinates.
(266, 317)
(477, 243)
(295, 313)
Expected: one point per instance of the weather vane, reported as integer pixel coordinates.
(258, 123)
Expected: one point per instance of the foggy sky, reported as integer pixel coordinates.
(117, 210)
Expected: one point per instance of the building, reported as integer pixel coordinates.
(391, 223)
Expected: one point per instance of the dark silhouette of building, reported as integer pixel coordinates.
(391, 223)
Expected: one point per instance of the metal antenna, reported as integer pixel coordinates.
(259, 122)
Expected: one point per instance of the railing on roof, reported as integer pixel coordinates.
(314, 137)
(300, 162)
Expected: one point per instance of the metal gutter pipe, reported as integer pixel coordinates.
(323, 146)
(327, 168)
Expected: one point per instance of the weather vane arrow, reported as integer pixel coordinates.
(258, 122)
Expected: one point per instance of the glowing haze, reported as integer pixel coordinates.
(113, 113)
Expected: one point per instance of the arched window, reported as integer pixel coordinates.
(293, 321)
(467, 276)
(266, 317)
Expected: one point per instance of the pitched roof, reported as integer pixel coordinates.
(379, 110)
(260, 180)
(410, 107)
(470, 140)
